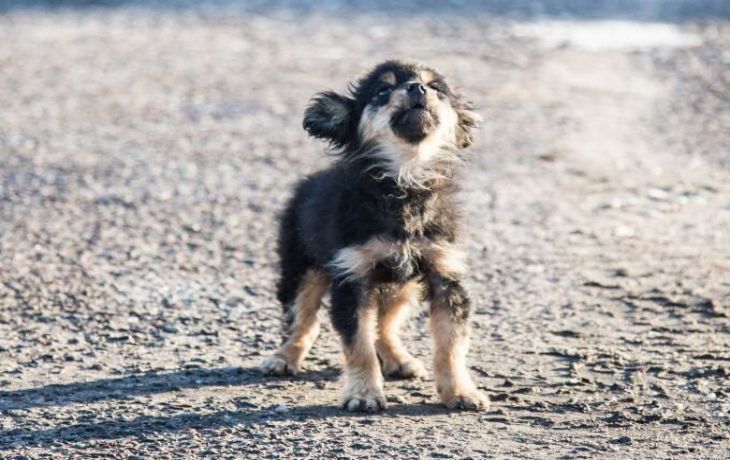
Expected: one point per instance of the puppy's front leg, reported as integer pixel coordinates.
(393, 311)
(354, 315)
(450, 308)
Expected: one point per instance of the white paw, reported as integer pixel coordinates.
(410, 369)
(369, 402)
(467, 400)
(277, 365)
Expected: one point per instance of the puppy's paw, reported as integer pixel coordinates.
(278, 365)
(467, 400)
(410, 369)
(369, 402)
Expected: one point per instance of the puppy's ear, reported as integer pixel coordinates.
(328, 117)
(468, 121)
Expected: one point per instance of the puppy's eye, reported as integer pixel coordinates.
(436, 87)
(383, 92)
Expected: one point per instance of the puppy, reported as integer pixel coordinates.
(378, 229)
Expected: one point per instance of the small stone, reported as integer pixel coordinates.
(622, 440)
(624, 231)
(281, 409)
(535, 268)
(168, 327)
(657, 194)
(397, 399)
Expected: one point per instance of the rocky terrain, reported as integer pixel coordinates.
(146, 149)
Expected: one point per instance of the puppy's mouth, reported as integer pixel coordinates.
(414, 123)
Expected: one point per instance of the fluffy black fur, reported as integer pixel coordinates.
(342, 207)
(378, 227)
(355, 200)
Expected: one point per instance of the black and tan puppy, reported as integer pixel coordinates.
(378, 229)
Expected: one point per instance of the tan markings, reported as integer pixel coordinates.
(426, 77)
(304, 326)
(451, 343)
(392, 313)
(363, 379)
(447, 259)
(375, 121)
(389, 78)
(356, 261)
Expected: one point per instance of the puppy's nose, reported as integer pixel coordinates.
(416, 94)
(416, 89)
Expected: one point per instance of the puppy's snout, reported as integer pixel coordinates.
(416, 89)
(416, 94)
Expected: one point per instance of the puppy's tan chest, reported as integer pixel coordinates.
(402, 258)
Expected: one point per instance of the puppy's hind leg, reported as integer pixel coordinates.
(300, 289)
(301, 325)
(354, 316)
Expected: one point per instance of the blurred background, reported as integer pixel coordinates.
(147, 147)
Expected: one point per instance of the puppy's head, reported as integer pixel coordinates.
(401, 112)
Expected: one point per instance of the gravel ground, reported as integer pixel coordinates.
(145, 152)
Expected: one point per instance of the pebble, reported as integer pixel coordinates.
(624, 231)
(623, 440)
(657, 194)
(281, 409)
(397, 399)
(171, 328)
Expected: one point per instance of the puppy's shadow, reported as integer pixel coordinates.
(411, 409)
(145, 425)
(148, 383)
(160, 382)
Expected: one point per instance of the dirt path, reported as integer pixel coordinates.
(145, 154)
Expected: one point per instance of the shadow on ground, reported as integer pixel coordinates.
(142, 385)
(246, 413)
